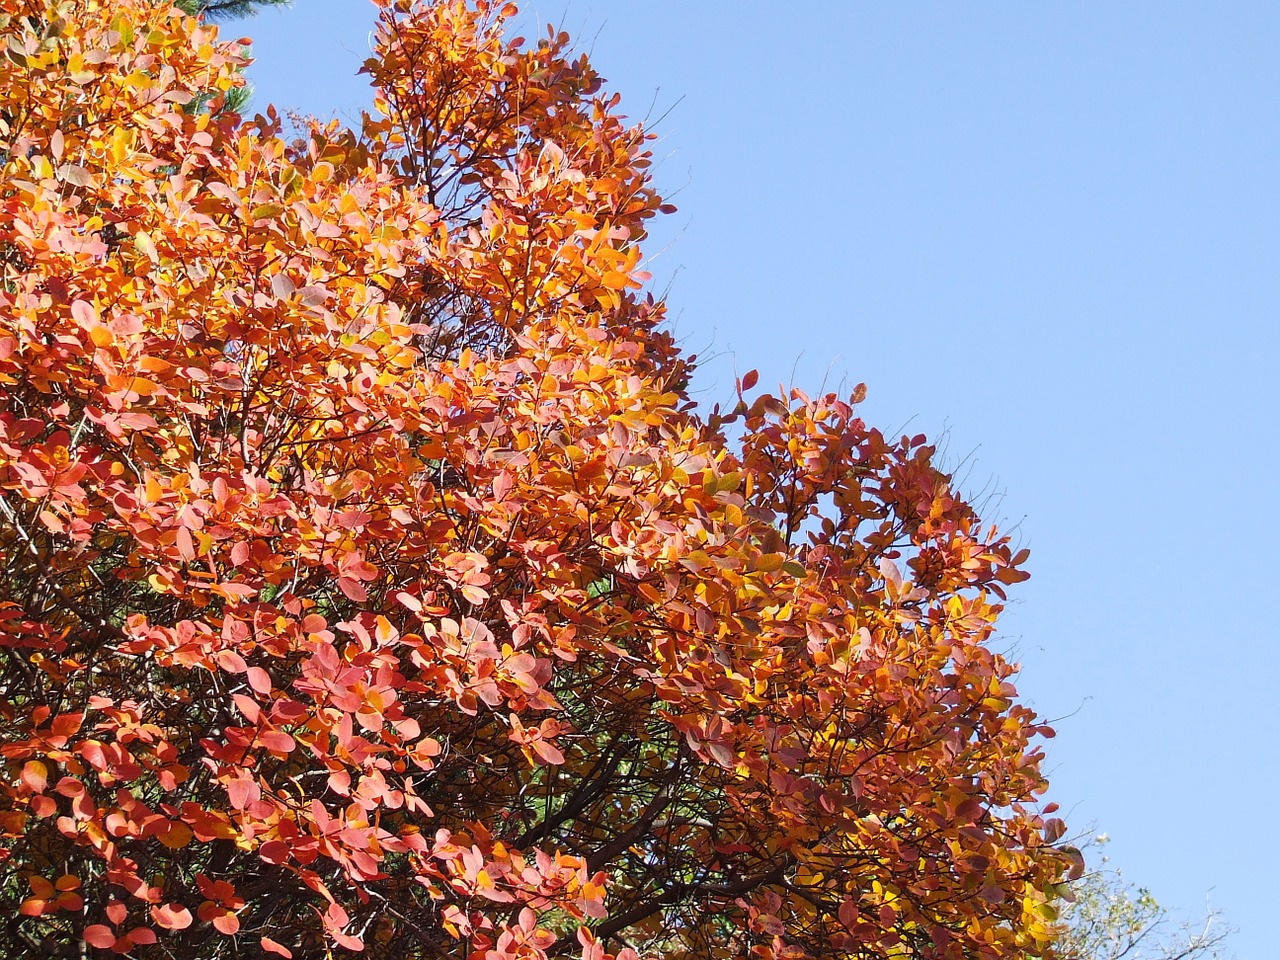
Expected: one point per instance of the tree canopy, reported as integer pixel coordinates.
(373, 584)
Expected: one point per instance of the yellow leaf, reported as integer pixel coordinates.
(143, 243)
(121, 144)
(179, 836)
(769, 562)
(143, 387)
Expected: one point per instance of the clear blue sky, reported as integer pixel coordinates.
(1051, 231)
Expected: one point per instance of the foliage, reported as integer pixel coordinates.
(1109, 919)
(372, 583)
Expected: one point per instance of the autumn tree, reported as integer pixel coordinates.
(371, 582)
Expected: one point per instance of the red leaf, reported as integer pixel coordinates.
(141, 935)
(69, 787)
(99, 936)
(242, 792)
(848, 914)
(274, 851)
(287, 711)
(271, 946)
(276, 741)
(171, 916)
(347, 941)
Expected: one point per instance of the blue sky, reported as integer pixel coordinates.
(1048, 233)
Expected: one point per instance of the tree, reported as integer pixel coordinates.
(223, 9)
(1107, 918)
(373, 584)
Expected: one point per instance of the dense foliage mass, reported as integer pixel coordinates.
(372, 584)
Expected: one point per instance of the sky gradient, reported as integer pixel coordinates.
(1048, 235)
